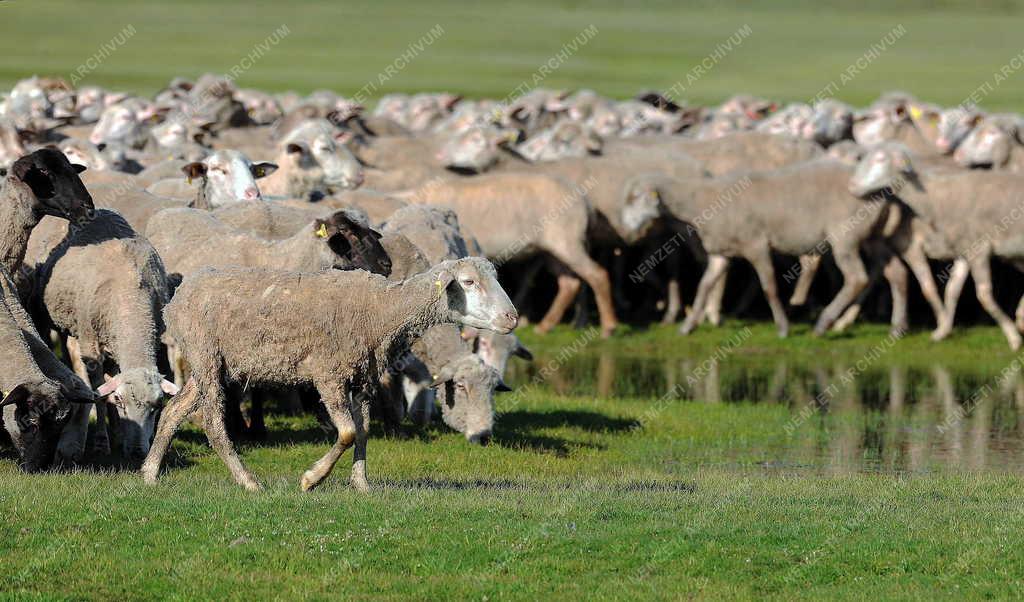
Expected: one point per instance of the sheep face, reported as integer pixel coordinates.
(831, 122)
(886, 168)
(954, 126)
(467, 397)
(474, 295)
(138, 395)
(118, 124)
(228, 176)
(642, 207)
(349, 244)
(476, 149)
(35, 414)
(986, 146)
(55, 183)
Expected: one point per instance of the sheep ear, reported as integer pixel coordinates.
(469, 333)
(109, 387)
(78, 168)
(194, 170)
(297, 147)
(444, 280)
(18, 394)
(523, 352)
(501, 387)
(169, 388)
(260, 170)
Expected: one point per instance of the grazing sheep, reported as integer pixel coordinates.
(42, 183)
(104, 287)
(333, 330)
(37, 391)
(441, 359)
(189, 240)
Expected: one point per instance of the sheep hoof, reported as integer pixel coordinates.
(608, 332)
(251, 485)
(939, 334)
(542, 328)
(149, 474)
(360, 485)
(308, 482)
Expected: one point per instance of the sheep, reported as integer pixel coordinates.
(225, 176)
(312, 161)
(274, 220)
(38, 184)
(441, 359)
(37, 392)
(189, 240)
(748, 215)
(333, 330)
(104, 287)
(518, 214)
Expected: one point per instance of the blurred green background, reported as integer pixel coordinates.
(794, 49)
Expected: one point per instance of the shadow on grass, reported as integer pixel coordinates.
(430, 483)
(517, 429)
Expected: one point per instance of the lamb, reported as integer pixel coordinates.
(333, 330)
(104, 287)
(36, 389)
(748, 215)
(42, 183)
(518, 214)
(189, 240)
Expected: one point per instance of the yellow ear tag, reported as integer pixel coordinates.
(189, 178)
(322, 231)
(915, 112)
(440, 288)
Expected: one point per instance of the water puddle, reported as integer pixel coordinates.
(839, 416)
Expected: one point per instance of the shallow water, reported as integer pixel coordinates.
(876, 416)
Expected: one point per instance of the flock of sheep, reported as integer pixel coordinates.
(245, 242)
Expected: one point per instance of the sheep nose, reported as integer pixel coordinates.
(512, 317)
(482, 438)
(95, 138)
(252, 193)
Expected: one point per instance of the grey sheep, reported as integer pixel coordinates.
(333, 330)
(104, 287)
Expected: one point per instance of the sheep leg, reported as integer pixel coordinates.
(981, 272)
(1019, 314)
(717, 266)
(180, 406)
(809, 265)
(896, 274)
(71, 447)
(341, 416)
(713, 311)
(360, 410)
(855, 279)
(954, 287)
(915, 258)
(217, 433)
(674, 303)
(761, 258)
(580, 263)
(568, 288)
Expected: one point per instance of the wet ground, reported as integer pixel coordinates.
(865, 414)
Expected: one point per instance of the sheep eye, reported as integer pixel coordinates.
(468, 282)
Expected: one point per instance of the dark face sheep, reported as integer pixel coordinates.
(55, 183)
(38, 411)
(352, 244)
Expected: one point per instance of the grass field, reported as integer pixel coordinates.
(582, 494)
(794, 49)
(579, 496)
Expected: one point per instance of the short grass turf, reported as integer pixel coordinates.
(578, 497)
(942, 51)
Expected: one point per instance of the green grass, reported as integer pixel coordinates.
(579, 496)
(795, 48)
